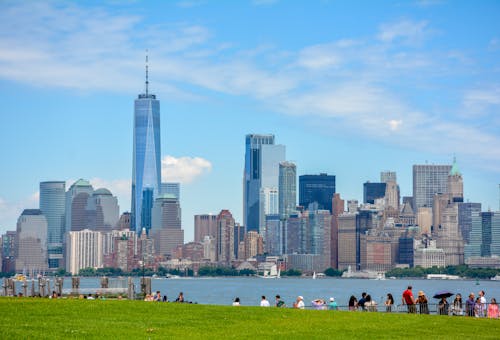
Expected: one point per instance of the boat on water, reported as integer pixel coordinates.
(314, 276)
(442, 277)
(363, 274)
(272, 273)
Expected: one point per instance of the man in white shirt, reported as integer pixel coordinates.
(264, 302)
(483, 303)
(299, 303)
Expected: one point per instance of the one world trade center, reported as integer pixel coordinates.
(146, 170)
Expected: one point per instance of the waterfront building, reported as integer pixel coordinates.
(262, 159)
(337, 209)
(307, 263)
(429, 180)
(347, 245)
(465, 211)
(388, 176)
(146, 168)
(205, 225)
(483, 262)
(171, 188)
(287, 189)
(485, 235)
(84, 249)
(372, 191)
(102, 210)
(9, 251)
(429, 257)
(52, 205)
(225, 237)
(166, 230)
(317, 188)
(31, 242)
(77, 198)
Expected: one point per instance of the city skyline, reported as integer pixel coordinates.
(425, 70)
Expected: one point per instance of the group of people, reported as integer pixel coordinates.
(365, 303)
(474, 307)
(319, 304)
(157, 297)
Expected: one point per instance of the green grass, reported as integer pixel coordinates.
(32, 318)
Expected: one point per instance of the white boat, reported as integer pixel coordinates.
(272, 273)
(442, 277)
(314, 276)
(496, 278)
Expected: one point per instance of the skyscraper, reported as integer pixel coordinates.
(31, 241)
(171, 188)
(52, 205)
(287, 189)
(317, 188)
(262, 159)
(77, 198)
(429, 180)
(372, 191)
(146, 170)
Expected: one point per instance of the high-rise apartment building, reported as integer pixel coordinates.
(347, 243)
(52, 205)
(225, 237)
(31, 242)
(262, 159)
(77, 198)
(84, 248)
(317, 188)
(337, 209)
(429, 180)
(287, 189)
(146, 170)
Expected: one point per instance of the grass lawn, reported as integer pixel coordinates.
(32, 318)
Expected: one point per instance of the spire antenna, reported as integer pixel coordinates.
(147, 81)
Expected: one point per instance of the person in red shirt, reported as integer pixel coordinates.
(409, 300)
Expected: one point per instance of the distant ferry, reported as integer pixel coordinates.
(442, 277)
(496, 278)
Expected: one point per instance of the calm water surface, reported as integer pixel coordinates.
(222, 291)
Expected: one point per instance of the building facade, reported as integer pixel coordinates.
(84, 249)
(53, 207)
(31, 242)
(287, 189)
(429, 180)
(317, 188)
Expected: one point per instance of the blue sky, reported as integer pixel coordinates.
(351, 88)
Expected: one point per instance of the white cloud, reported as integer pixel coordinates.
(184, 169)
(404, 30)
(395, 124)
(11, 210)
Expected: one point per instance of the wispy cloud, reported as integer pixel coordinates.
(407, 31)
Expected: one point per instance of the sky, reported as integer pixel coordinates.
(351, 88)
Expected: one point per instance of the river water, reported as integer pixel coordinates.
(222, 290)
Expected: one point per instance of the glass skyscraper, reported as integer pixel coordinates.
(262, 159)
(52, 205)
(317, 188)
(287, 189)
(146, 171)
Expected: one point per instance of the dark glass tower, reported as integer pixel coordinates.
(372, 191)
(317, 188)
(146, 171)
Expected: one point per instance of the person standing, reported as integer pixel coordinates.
(389, 302)
(469, 305)
(264, 302)
(457, 306)
(483, 303)
(493, 312)
(422, 303)
(409, 300)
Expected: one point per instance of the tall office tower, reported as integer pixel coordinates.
(392, 195)
(84, 248)
(287, 189)
(225, 237)
(273, 237)
(465, 211)
(337, 209)
(320, 222)
(166, 230)
(9, 251)
(253, 244)
(103, 210)
(449, 237)
(429, 180)
(455, 183)
(388, 176)
(262, 159)
(424, 220)
(171, 188)
(31, 241)
(317, 188)
(205, 225)
(296, 228)
(347, 241)
(239, 237)
(52, 205)
(146, 170)
(269, 205)
(77, 198)
(352, 206)
(373, 191)
(485, 235)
